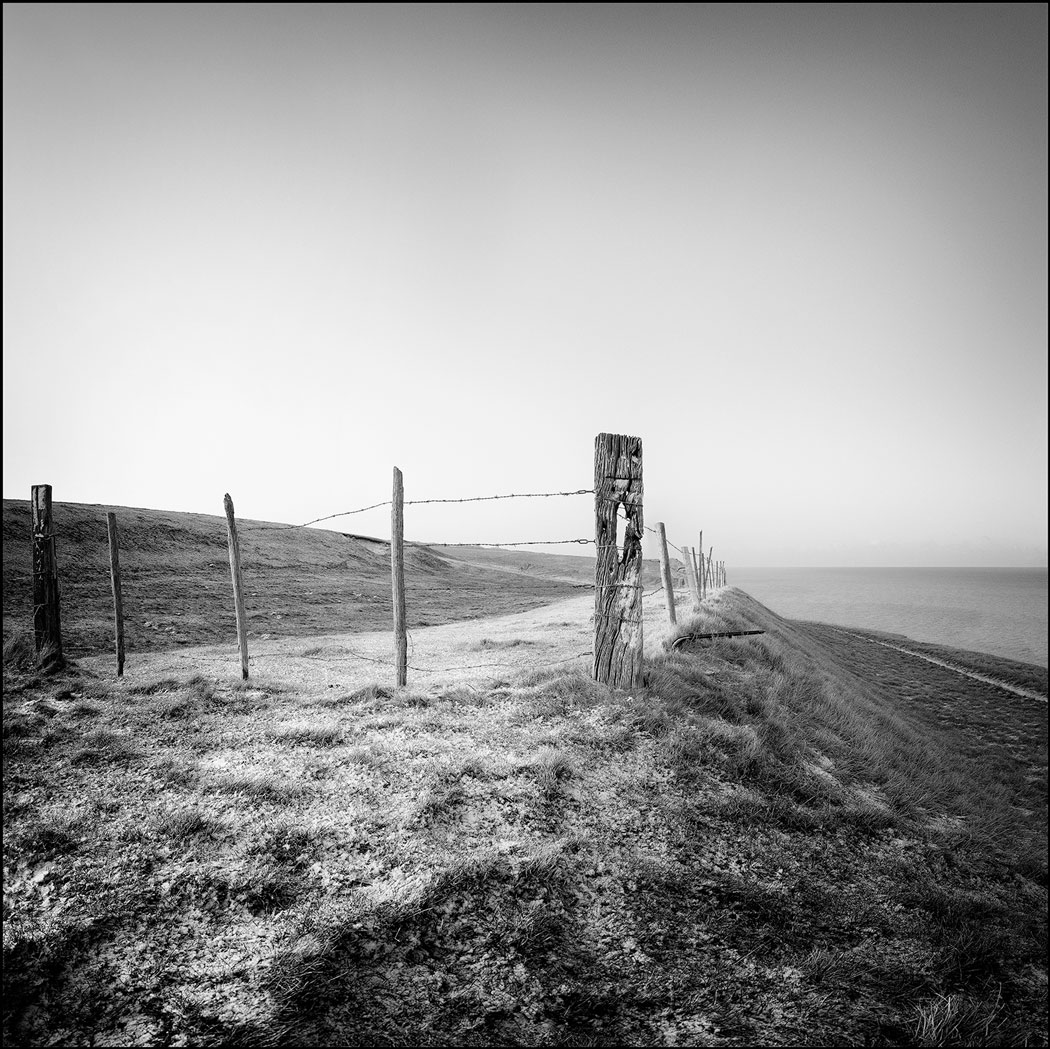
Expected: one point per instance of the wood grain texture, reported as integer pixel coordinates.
(47, 620)
(238, 587)
(397, 578)
(114, 581)
(618, 575)
(665, 573)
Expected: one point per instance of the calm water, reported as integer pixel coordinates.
(996, 610)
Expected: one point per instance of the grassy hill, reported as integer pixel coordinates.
(298, 581)
(790, 839)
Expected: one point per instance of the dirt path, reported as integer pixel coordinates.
(1015, 689)
(466, 652)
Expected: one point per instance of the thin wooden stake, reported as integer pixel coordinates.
(47, 627)
(238, 589)
(114, 579)
(665, 572)
(710, 564)
(397, 574)
(702, 567)
(696, 575)
(618, 580)
(690, 576)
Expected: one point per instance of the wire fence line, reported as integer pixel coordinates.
(471, 499)
(617, 467)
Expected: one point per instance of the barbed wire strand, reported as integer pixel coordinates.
(531, 542)
(668, 541)
(423, 502)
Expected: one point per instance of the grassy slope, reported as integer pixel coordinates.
(780, 840)
(298, 582)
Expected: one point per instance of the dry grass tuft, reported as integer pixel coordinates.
(305, 734)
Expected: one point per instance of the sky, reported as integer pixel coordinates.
(801, 251)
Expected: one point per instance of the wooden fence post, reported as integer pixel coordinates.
(618, 580)
(114, 579)
(690, 576)
(701, 567)
(238, 589)
(665, 572)
(47, 627)
(696, 575)
(397, 576)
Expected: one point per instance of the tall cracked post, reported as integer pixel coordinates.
(618, 576)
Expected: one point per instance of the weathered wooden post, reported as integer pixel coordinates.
(690, 576)
(665, 572)
(47, 627)
(696, 575)
(114, 579)
(238, 589)
(702, 568)
(397, 576)
(618, 580)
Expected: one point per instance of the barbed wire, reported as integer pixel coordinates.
(424, 502)
(531, 542)
(511, 495)
(666, 540)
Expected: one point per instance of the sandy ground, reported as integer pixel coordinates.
(474, 651)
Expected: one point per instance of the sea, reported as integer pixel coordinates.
(1000, 611)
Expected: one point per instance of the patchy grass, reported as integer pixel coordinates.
(780, 840)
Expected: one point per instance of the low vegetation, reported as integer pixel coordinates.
(779, 840)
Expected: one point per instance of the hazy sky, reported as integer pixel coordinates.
(800, 251)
